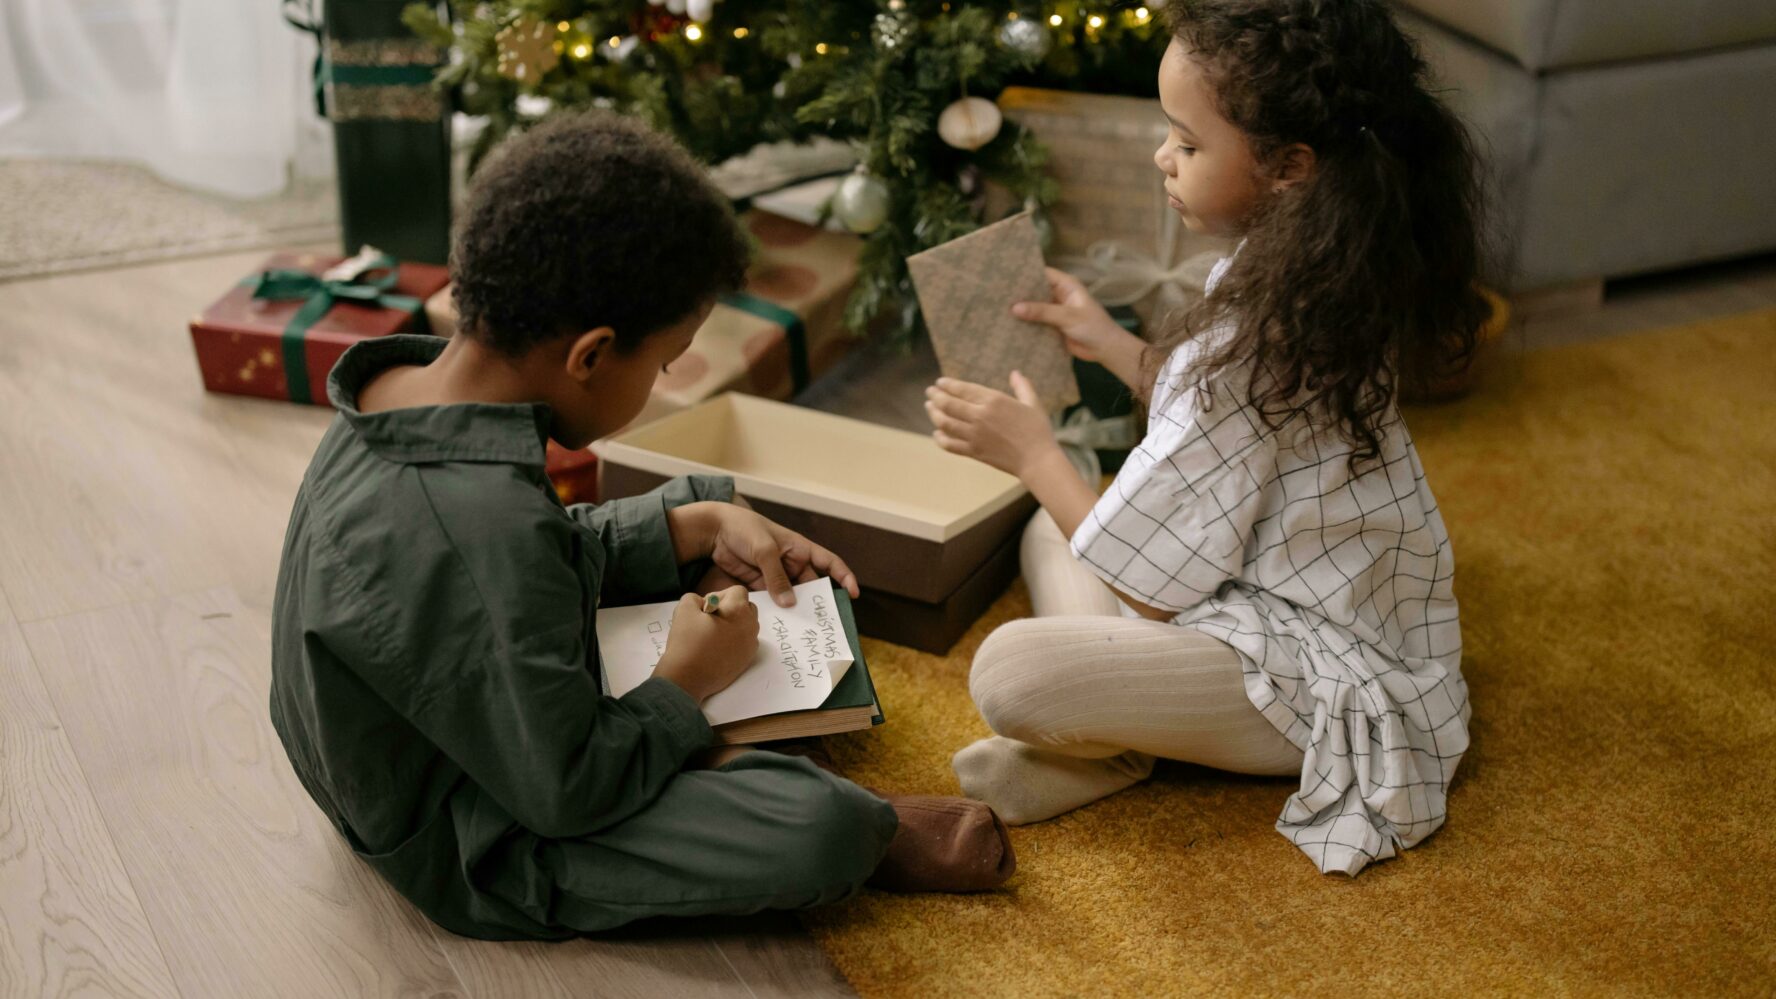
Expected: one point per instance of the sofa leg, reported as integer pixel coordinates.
(1558, 299)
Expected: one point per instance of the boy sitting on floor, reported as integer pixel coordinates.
(434, 665)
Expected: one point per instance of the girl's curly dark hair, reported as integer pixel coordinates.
(1367, 270)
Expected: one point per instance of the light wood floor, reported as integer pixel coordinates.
(153, 840)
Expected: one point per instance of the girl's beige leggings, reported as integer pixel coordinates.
(1084, 699)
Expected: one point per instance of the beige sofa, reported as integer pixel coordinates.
(1623, 136)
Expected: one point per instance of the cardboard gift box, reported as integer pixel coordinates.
(1113, 226)
(926, 531)
(934, 627)
(574, 474)
(769, 339)
(278, 333)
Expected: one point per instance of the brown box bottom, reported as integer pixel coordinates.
(935, 627)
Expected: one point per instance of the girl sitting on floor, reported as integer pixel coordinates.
(1278, 595)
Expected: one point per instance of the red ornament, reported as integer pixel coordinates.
(655, 23)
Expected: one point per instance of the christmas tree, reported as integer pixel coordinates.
(909, 83)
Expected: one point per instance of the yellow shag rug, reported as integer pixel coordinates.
(1613, 828)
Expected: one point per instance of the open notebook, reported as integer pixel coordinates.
(807, 677)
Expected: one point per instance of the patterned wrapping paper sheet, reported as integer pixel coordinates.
(966, 289)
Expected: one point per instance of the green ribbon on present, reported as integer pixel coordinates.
(799, 372)
(320, 295)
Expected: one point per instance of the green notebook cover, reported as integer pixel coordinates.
(856, 689)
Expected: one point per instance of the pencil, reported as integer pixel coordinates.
(711, 602)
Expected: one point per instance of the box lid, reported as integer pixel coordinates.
(892, 479)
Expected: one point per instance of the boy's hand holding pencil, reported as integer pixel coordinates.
(712, 642)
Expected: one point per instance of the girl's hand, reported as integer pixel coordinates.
(1010, 434)
(1089, 332)
(762, 555)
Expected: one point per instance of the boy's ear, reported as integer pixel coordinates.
(1295, 163)
(589, 349)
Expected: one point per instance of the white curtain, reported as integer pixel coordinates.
(210, 94)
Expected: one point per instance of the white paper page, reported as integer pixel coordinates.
(802, 653)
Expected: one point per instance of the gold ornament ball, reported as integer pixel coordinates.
(970, 123)
(526, 49)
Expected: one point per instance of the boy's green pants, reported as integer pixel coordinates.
(764, 831)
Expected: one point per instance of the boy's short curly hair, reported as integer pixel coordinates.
(590, 219)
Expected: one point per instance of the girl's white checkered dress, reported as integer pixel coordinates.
(1334, 588)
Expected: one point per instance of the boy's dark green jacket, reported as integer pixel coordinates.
(434, 667)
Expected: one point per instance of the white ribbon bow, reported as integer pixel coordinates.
(1082, 434)
(1118, 275)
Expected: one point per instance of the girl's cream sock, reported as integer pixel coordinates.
(1023, 784)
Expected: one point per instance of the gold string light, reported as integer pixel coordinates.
(1093, 23)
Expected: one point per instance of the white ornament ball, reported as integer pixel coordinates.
(675, 6)
(891, 31)
(700, 10)
(861, 203)
(1025, 37)
(970, 123)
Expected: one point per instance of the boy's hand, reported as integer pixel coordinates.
(763, 555)
(1012, 435)
(750, 550)
(1086, 328)
(706, 651)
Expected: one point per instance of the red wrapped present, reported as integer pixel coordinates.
(574, 474)
(278, 333)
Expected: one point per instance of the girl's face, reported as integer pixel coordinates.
(1211, 174)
